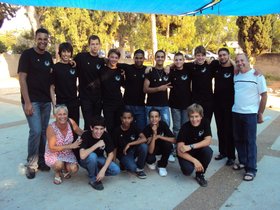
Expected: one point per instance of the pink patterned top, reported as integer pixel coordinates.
(65, 155)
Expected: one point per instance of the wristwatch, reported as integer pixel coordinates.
(191, 146)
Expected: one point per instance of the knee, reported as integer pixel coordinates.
(58, 166)
(143, 148)
(115, 169)
(73, 168)
(92, 158)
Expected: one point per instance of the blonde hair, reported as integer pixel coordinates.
(195, 108)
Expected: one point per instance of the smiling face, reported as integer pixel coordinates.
(61, 115)
(195, 119)
(154, 118)
(179, 61)
(242, 63)
(113, 59)
(223, 57)
(94, 46)
(200, 58)
(65, 56)
(97, 131)
(159, 58)
(41, 41)
(139, 59)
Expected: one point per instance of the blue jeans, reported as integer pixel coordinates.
(245, 136)
(164, 113)
(179, 117)
(140, 151)
(38, 123)
(93, 163)
(139, 115)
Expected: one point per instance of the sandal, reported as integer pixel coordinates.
(57, 180)
(248, 176)
(66, 175)
(238, 167)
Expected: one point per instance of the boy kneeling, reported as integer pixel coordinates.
(95, 142)
(130, 145)
(160, 139)
(193, 141)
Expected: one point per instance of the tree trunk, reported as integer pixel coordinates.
(154, 34)
(32, 17)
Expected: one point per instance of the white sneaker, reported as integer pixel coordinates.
(162, 171)
(152, 166)
(171, 158)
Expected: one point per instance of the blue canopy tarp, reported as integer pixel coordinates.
(168, 7)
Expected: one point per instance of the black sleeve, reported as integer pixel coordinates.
(148, 75)
(24, 62)
(147, 131)
(182, 135)
(109, 145)
(207, 128)
(167, 131)
(115, 138)
(84, 137)
(123, 66)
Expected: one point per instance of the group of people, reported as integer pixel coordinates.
(135, 128)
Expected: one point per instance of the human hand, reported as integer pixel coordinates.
(100, 144)
(76, 144)
(260, 118)
(125, 149)
(72, 63)
(185, 148)
(198, 166)
(28, 109)
(165, 87)
(100, 175)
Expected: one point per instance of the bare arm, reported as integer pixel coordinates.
(52, 91)
(168, 139)
(262, 107)
(76, 128)
(142, 139)
(84, 153)
(108, 161)
(204, 143)
(28, 109)
(51, 137)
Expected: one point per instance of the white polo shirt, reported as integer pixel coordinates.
(247, 90)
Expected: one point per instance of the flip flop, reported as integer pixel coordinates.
(248, 177)
(66, 175)
(238, 167)
(57, 180)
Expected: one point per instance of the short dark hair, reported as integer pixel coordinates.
(200, 49)
(98, 121)
(94, 37)
(162, 51)
(154, 110)
(42, 30)
(139, 51)
(126, 111)
(223, 49)
(178, 54)
(116, 51)
(65, 46)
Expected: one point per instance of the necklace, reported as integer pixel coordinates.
(160, 75)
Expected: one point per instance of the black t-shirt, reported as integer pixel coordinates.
(38, 68)
(89, 141)
(157, 78)
(191, 135)
(224, 86)
(162, 130)
(88, 67)
(122, 138)
(202, 76)
(111, 82)
(180, 93)
(134, 80)
(64, 78)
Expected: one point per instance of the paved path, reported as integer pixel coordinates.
(226, 190)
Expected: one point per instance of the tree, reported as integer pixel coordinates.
(276, 34)
(255, 34)
(7, 11)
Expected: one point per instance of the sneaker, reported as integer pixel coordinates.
(96, 185)
(171, 158)
(220, 157)
(152, 166)
(162, 171)
(201, 180)
(141, 174)
(229, 162)
(44, 167)
(30, 173)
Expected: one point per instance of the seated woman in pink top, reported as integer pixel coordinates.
(59, 155)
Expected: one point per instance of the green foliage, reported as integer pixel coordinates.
(254, 35)
(275, 34)
(3, 47)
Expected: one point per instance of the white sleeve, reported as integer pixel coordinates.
(261, 84)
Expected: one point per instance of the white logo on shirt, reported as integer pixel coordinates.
(72, 71)
(47, 63)
(132, 137)
(203, 70)
(98, 66)
(165, 78)
(118, 78)
(227, 75)
(184, 77)
(200, 133)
